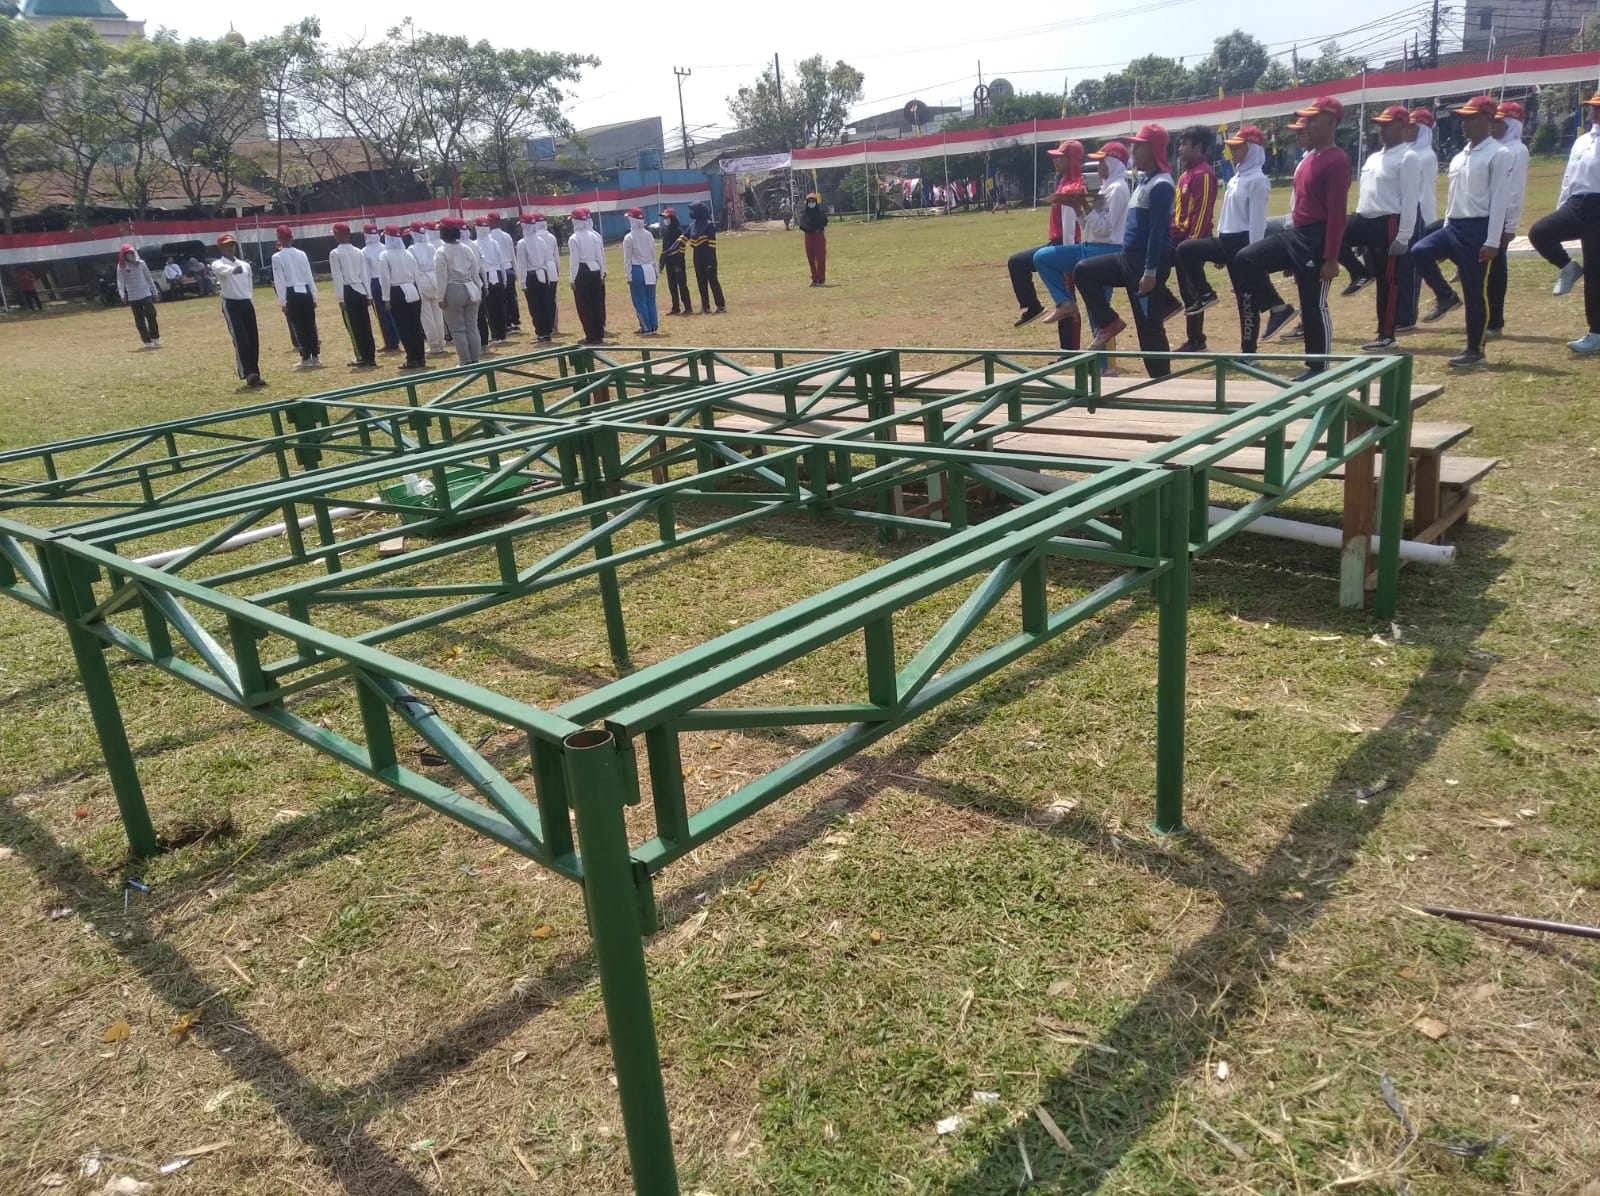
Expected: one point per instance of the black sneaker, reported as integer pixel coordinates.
(1276, 319)
(1028, 316)
(1307, 375)
(1209, 299)
(1411, 327)
(1357, 285)
(1495, 330)
(1297, 333)
(1467, 360)
(1193, 346)
(1173, 307)
(1442, 308)
(1380, 344)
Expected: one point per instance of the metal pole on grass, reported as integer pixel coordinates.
(597, 779)
(1172, 651)
(1394, 400)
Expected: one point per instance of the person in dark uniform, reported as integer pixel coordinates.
(703, 243)
(674, 246)
(814, 224)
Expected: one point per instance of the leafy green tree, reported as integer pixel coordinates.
(812, 108)
(22, 149)
(1236, 63)
(77, 114)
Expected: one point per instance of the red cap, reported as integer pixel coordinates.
(535, 217)
(1153, 133)
(1422, 116)
(1111, 149)
(580, 213)
(1296, 125)
(341, 227)
(1248, 135)
(665, 212)
(494, 217)
(1593, 100)
(1318, 107)
(1478, 106)
(285, 233)
(636, 213)
(391, 230)
(1509, 110)
(432, 226)
(481, 221)
(416, 226)
(1394, 114)
(369, 228)
(227, 239)
(1061, 151)
(126, 249)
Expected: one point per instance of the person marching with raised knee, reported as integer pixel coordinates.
(586, 270)
(1381, 228)
(348, 267)
(1419, 136)
(1507, 130)
(1081, 227)
(1475, 217)
(138, 291)
(297, 296)
(236, 285)
(402, 286)
(1193, 220)
(1577, 215)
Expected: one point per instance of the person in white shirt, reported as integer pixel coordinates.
(172, 279)
(1507, 130)
(458, 273)
(552, 270)
(236, 285)
(639, 260)
(1413, 273)
(402, 287)
(1475, 216)
(1390, 180)
(297, 296)
(422, 250)
(495, 269)
(535, 273)
(506, 251)
(586, 270)
(348, 266)
(138, 291)
(372, 252)
(1242, 221)
(1577, 215)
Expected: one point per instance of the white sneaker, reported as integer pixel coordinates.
(1568, 278)
(1587, 344)
(156, 344)
(303, 364)
(316, 363)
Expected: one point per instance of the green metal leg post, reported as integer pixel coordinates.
(1395, 401)
(596, 777)
(1172, 655)
(66, 579)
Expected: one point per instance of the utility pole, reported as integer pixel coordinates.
(683, 73)
(1433, 37)
(777, 74)
(1544, 28)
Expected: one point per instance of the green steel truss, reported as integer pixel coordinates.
(571, 464)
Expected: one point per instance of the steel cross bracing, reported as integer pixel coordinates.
(571, 464)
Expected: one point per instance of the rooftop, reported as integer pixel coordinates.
(87, 9)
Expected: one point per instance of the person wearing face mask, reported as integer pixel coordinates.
(703, 244)
(402, 286)
(1378, 231)
(550, 255)
(1507, 130)
(1445, 300)
(586, 270)
(347, 266)
(458, 273)
(674, 245)
(532, 270)
(372, 251)
(493, 309)
(138, 291)
(813, 222)
(639, 260)
(505, 252)
(297, 296)
(422, 250)
(1577, 215)
(1419, 138)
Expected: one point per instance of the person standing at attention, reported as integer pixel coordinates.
(458, 275)
(28, 287)
(814, 224)
(1507, 130)
(1193, 219)
(547, 271)
(348, 267)
(1309, 246)
(422, 251)
(372, 251)
(138, 291)
(1145, 261)
(1577, 215)
(674, 244)
(1380, 230)
(297, 295)
(402, 286)
(639, 260)
(1243, 221)
(236, 284)
(495, 269)
(586, 267)
(703, 243)
(1474, 218)
(505, 253)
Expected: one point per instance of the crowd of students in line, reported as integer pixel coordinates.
(1140, 225)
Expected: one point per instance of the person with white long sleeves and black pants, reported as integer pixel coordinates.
(1577, 215)
(639, 260)
(1380, 229)
(458, 273)
(372, 251)
(505, 251)
(138, 291)
(1507, 130)
(297, 296)
(348, 266)
(586, 269)
(402, 286)
(236, 285)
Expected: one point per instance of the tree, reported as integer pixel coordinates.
(215, 104)
(1236, 63)
(1159, 78)
(77, 110)
(143, 78)
(1330, 64)
(1276, 77)
(21, 84)
(521, 93)
(812, 109)
(286, 64)
(370, 94)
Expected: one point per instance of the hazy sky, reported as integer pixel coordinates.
(929, 51)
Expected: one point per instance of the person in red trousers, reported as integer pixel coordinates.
(813, 221)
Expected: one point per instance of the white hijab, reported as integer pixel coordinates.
(1424, 142)
(580, 226)
(394, 242)
(1513, 132)
(1116, 171)
(636, 224)
(1255, 159)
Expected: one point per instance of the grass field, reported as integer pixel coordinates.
(975, 906)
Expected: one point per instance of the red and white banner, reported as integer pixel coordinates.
(1461, 79)
(20, 248)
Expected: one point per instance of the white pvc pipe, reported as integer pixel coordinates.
(1265, 525)
(157, 560)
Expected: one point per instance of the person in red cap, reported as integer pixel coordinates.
(372, 251)
(1309, 246)
(814, 225)
(1145, 261)
(1411, 275)
(1243, 220)
(1390, 179)
(1577, 215)
(458, 273)
(402, 287)
(1475, 216)
(138, 291)
(586, 265)
(506, 253)
(639, 260)
(674, 263)
(1193, 219)
(236, 285)
(297, 296)
(422, 249)
(1067, 158)
(1507, 130)
(348, 267)
(495, 269)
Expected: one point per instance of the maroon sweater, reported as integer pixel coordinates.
(1321, 191)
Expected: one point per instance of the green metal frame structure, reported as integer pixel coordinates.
(526, 474)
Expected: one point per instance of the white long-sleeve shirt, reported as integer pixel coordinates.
(1391, 185)
(494, 269)
(1518, 150)
(372, 251)
(397, 268)
(422, 252)
(1244, 205)
(134, 282)
(585, 248)
(1582, 176)
(527, 255)
(235, 278)
(348, 266)
(291, 271)
(1104, 222)
(639, 249)
(1427, 178)
(549, 254)
(1480, 186)
(505, 249)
